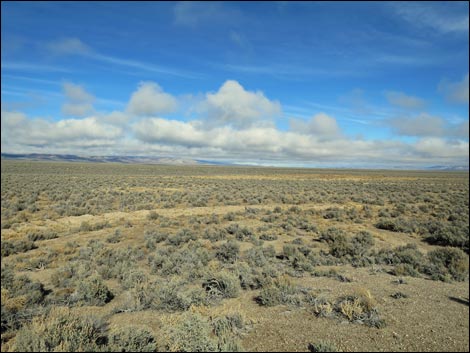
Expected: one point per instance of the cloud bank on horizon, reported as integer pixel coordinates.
(386, 88)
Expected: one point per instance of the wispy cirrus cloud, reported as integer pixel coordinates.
(31, 79)
(22, 66)
(74, 46)
(442, 17)
(195, 13)
(144, 66)
(290, 72)
(66, 46)
(43, 94)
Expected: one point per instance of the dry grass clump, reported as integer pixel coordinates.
(359, 307)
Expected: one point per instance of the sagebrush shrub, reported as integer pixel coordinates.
(61, 330)
(15, 247)
(131, 339)
(192, 333)
(228, 252)
(447, 264)
(281, 291)
(93, 291)
(222, 285)
(175, 296)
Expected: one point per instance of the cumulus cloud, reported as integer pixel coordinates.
(425, 125)
(402, 100)
(79, 101)
(255, 144)
(249, 144)
(169, 132)
(115, 118)
(421, 125)
(456, 92)
(77, 93)
(320, 125)
(433, 146)
(77, 109)
(19, 130)
(233, 105)
(230, 125)
(150, 99)
(251, 140)
(461, 130)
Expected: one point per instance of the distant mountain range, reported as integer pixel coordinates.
(164, 160)
(108, 159)
(447, 167)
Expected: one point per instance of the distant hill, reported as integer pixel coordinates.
(168, 161)
(447, 167)
(109, 159)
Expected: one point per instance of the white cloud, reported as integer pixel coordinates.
(461, 130)
(421, 125)
(236, 125)
(77, 93)
(116, 118)
(150, 99)
(425, 125)
(169, 132)
(320, 125)
(19, 130)
(79, 102)
(324, 125)
(437, 147)
(223, 139)
(254, 144)
(233, 105)
(402, 100)
(269, 144)
(456, 92)
(77, 109)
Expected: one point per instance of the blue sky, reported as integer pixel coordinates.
(362, 84)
